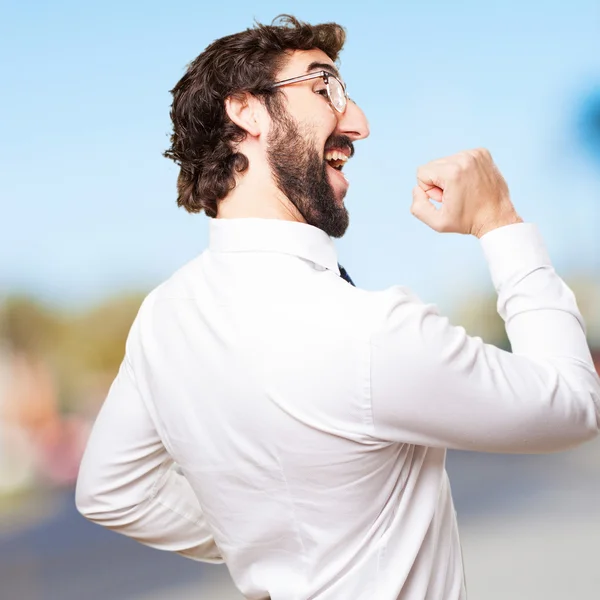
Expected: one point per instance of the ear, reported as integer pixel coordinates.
(245, 110)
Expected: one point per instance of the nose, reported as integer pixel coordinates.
(353, 122)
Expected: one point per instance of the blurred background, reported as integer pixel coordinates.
(89, 225)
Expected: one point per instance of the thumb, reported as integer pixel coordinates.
(424, 210)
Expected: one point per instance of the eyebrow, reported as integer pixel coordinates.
(324, 67)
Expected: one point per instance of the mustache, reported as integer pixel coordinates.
(340, 141)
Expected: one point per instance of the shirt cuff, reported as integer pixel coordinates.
(513, 249)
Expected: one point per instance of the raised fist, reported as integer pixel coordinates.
(473, 194)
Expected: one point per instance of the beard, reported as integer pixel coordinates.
(300, 174)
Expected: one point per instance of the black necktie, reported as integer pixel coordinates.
(344, 275)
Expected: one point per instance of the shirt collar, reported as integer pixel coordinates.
(273, 235)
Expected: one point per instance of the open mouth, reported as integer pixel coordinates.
(336, 159)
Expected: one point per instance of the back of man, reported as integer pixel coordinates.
(269, 414)
(255, 360)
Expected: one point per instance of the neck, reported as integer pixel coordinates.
(256, 196)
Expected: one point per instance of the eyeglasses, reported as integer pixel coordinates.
(336, 90)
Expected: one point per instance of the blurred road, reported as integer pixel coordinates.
(530, 527)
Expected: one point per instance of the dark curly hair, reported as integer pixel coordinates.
(204, 138)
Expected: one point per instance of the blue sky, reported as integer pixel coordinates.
(88, 201)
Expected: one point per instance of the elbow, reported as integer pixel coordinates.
(589, 428)
(559, 425)
(100, 504)
(89, 503)
(590, 401)
(580, 423)
(575, 412)
(594, 418)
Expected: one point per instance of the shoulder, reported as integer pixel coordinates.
(164, 295)
(374, 312)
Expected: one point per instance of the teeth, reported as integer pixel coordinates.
(335, 155)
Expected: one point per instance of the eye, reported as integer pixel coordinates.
(322, 92)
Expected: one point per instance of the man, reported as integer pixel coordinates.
(271, 415)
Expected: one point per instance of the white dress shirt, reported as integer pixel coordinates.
(269, 415)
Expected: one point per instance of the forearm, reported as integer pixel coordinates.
(541, 315)
(169, 518)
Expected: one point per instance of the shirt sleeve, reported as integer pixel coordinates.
(128, 483)
(433, 385)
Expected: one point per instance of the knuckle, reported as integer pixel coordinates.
(471, 158)
(467, 160)
(484, 153)
(422, 172)
(455, 168)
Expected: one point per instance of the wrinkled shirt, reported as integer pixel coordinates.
(269, 415)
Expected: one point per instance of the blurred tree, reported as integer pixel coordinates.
(28, 326)
(81, 349)
(97, 337)
(588, 126)
(478, 315)
(587, 292)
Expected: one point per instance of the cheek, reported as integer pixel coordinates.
(327, 120)
(319, 117)
(320, 127)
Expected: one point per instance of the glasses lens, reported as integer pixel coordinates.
(337, 94)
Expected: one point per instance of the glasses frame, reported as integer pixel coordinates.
(326, 76)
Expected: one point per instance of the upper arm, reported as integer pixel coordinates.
(125, 456)
(432, 384)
